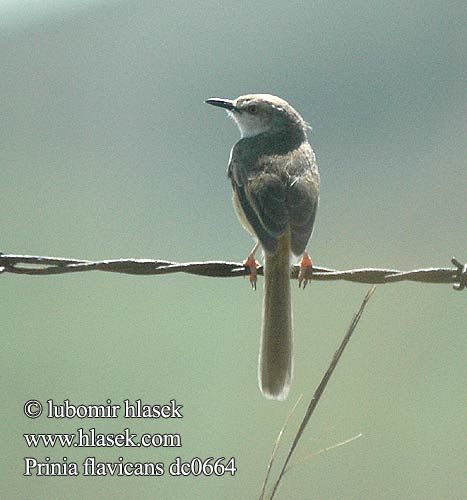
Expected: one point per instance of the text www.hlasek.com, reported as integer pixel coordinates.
(90, 438)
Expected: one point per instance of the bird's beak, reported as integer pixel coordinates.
(222, 103)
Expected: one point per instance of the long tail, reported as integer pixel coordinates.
(275, 355)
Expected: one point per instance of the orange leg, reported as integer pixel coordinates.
(252, 264)
(306, 266)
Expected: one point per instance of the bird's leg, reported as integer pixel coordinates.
(306, 265)
(252, 264)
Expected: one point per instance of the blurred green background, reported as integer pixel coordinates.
(107, 151)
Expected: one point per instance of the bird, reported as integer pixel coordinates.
(275, 184)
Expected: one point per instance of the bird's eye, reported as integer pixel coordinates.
(252, 109)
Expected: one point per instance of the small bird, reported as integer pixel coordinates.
(275, 184)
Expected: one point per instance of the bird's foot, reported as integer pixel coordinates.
(306, 266)
(252, 265)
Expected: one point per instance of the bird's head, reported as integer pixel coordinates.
(261, 113)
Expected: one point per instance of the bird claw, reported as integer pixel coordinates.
(306, 265)
(252, 265)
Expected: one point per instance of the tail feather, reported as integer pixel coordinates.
(276, 352)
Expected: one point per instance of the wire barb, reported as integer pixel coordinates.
(461, 275)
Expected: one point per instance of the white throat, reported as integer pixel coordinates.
(249, 125)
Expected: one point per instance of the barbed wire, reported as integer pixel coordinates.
(37, 265)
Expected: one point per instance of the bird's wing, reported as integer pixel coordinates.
(267, 239)
(262, 195)
(302, 203)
